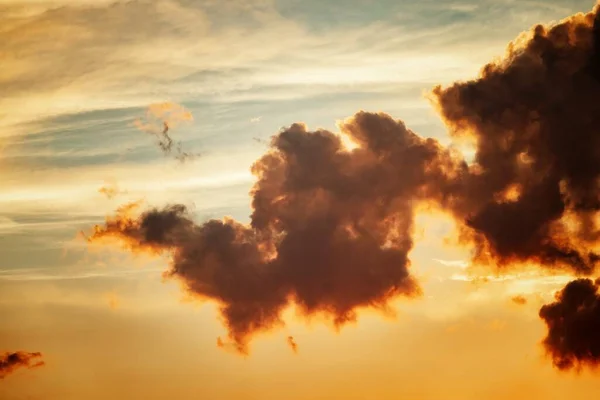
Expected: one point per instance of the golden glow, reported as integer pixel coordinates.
(111, 325)
(510, 194)
(348, 143)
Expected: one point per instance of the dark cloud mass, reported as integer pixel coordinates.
(10, 362)
(535, 116)
(330, 232)
(573, 321)
(331, 227)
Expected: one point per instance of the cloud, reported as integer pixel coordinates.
(519, 300)
(110, 189)
(41, 274)
(532, 194)
(160, 119)
(330, 231)
(10, 362)
(573, 321)
(292, 343)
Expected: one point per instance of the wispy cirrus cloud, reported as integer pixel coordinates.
(127, 53)
(44, 274)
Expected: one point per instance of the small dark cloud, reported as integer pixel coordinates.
(10, 362)
(519, 300)
(292, 343)
(573, 322)
(160, 119)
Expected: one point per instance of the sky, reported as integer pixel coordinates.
(92, 89)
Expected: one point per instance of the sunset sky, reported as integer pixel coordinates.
(91, 88)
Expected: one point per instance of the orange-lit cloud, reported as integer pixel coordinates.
(330, 231)
(229, 346)
(10, 362)
(519, 300)
(110, 189)
(292, 343)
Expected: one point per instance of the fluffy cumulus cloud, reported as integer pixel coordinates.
(533, 193)
(573, 322)
(331, 227)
